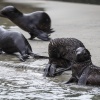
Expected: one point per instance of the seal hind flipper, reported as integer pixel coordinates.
(23, 57)
(46, 70)
(43, 36)
(40, 34)
(50, 31)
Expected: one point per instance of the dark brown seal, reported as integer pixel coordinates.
(38, 23)
(83, 70)
(11, 42)
(61, 55)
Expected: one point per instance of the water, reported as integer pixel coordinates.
(25, 80)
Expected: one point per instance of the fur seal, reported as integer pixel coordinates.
(11, 42)
(37, 24)
(84, 72)
(61, 55)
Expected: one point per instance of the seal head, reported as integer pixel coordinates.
(82, 54)
(9, 11)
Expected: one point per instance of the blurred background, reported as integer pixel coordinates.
(82, 1)
(78, 1)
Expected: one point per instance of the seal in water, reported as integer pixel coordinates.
(11, 42)
(38, 23)
(83, 70)
(61, 55)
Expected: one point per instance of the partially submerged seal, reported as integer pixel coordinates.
(37, 24)
(61, 55)
(11, 42)
(84, 72)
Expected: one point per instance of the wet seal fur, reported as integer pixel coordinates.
(11, 42)
(38, 23)
(61, 55)
(83, 70)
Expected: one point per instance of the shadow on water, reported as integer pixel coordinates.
(25, 81)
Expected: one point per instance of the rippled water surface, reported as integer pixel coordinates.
(25, 80)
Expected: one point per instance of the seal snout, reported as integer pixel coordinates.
(7, 11)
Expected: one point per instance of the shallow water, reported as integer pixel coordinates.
(25, 80)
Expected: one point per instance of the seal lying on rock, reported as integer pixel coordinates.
(11, 42)
(38, 23)
(61, 55)
(83, 71)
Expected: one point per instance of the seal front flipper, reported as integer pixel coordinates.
(50, 70)
(43, 36)
(83, 78)
(23, 57)
(46, 70)
(50, 31)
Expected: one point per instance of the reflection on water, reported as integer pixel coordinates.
(25, 81)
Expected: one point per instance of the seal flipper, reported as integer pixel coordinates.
(40, 34)
(50, 31)
(50, 70)
(83, 79)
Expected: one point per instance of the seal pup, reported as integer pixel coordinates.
(12, 41)
(84, 72)
(61, 55)
(37, 24)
